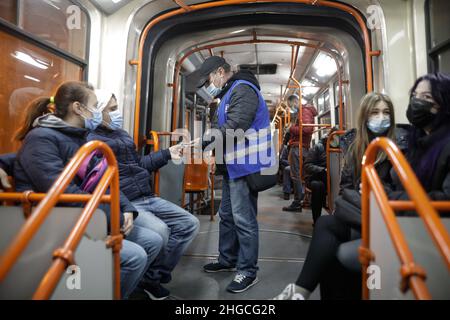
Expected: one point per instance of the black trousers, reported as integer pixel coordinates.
(318, 196)
(321, 265)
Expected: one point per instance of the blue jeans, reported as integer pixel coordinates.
(176, 226)
(294, 163)
(238, 228)
(139, 250)
(287, 187)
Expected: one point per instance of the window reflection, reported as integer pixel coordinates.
(47, 20)
(8, 10)
(27, 73)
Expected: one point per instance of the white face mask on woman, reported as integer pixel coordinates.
(379, 125)
(116, 120)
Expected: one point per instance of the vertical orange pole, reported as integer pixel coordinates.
(115, 229)
(365, 230)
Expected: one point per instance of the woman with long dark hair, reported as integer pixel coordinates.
(429, 139)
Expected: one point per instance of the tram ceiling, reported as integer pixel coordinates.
(283, 14)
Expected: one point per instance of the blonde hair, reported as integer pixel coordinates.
(362, 140)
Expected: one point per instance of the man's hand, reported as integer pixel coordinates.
(128, 223)
(4, 180)
(176, 151)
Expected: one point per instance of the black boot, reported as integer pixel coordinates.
(286, 196)
(294, 207)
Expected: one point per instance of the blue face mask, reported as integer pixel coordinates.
(95, 121)
(116, 120)
(213, 90)
(379, 125)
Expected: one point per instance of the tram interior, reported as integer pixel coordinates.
(315, 52)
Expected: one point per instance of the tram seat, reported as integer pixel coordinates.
(348, 255)
(94, 259)
(196, 182)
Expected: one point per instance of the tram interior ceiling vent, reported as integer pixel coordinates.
(270, 68)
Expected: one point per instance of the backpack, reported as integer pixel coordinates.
(92, 170)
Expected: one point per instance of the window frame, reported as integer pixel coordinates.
(433, 52)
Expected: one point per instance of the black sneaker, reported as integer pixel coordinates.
(286, 196)
(217, 267)
(155, 291)
(293, 208)
(241, 283)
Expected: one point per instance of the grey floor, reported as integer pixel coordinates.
(284, 240)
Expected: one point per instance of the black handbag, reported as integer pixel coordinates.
(258, 182)
(348, 208)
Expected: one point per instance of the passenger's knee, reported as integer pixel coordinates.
(153, 244)
(164, 232)
(134, 257)
(190, 225)
(325, 222)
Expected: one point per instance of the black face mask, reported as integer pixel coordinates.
(419, 112)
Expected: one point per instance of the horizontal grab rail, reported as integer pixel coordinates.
(65, 255)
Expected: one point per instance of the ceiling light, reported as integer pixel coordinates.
(116, 1)
(309, 90)
(324, 65)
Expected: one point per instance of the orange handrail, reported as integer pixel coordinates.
(155, 142)
(329, 150)
(340, 6)
(413, 276)
(64, 256)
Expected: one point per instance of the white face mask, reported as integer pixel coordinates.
(116, 120)
(379, 125)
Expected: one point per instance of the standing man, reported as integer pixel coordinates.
(241, 108)
(308, 114)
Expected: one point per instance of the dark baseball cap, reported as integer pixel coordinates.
(208, 66)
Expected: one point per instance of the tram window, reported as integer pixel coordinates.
(50, 21)
(444, 61)
(438, 35)
(28, 72)
(8, 10)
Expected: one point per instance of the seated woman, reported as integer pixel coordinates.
(175, 225)
(375, 119)
(429, 137)
(49, 141)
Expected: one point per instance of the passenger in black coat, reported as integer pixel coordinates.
(428, 140)
(376, 118)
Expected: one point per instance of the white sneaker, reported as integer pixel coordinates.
(289, 293)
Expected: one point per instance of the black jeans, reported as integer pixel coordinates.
(321, 265)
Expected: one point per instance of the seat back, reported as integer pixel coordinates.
(196, 177)
(336, 162)
(424, 252)
(171, 182)
(94, 260)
